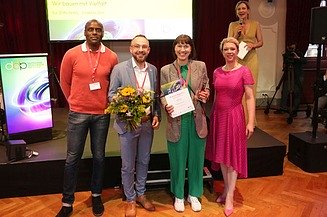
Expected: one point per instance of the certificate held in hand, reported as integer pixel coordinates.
(178, 97)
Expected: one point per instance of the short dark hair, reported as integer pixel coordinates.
(88, 23)
(184, 39)
(139, 35)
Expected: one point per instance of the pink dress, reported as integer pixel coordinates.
(226, 141)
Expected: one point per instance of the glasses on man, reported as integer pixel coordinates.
(140, 46)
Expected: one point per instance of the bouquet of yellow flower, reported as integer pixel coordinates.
(129, 105)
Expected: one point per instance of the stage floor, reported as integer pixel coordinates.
(55, 149)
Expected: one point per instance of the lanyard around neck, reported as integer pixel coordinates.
(138, 87)
(96, 64)
(185, 81)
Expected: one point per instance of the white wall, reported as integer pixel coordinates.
(272, 17)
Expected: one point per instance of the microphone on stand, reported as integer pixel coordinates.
(241, 22)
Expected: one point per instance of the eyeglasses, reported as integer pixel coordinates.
(138, 46)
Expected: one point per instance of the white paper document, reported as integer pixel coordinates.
(242, 50)
(182, 102)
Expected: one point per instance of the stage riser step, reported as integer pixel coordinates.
(37, 178)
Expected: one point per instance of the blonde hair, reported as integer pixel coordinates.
(228, 40)
(242, 2)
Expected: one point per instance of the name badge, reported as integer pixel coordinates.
(95, 86)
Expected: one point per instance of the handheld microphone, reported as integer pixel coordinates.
(241, 22)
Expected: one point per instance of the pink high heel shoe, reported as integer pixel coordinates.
(228, 212)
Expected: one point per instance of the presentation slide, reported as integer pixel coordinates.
(122, 19)
(26, 94)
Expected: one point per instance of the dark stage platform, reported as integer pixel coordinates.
(43, 174)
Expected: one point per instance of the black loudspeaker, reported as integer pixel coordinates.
(16, 149)
(310, 154)
(318, 25)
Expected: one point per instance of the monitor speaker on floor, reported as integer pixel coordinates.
(308, 153)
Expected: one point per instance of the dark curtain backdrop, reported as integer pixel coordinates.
(25, 31)
(211, 20)
(298, 16)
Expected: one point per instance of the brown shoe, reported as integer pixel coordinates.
(130, 209)
(145, 203)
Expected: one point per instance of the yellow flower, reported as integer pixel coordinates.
(146, 99)
(141, 108)
(128, 91)
(123, 108)
(107, 110)
(129, 105)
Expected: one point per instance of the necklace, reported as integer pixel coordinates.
(230, 68)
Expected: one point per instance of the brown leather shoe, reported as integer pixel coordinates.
(130, 209)
(145, 203)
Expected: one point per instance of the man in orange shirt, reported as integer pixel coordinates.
(84, 79)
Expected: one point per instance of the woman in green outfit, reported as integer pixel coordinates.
(186, 133)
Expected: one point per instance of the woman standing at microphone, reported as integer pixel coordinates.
(248, 31)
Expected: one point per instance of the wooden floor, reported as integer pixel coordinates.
(295, 193)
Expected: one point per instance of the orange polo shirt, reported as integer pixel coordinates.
(76, 75)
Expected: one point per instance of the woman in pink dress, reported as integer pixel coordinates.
(227, 139)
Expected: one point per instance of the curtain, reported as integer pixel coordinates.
(25, 29)
(298, 15)
(211, 20)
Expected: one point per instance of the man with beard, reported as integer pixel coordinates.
(84, 79)
(136, 144)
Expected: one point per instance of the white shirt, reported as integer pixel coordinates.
(140, 75)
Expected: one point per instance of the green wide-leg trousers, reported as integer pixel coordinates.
(188, 152)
